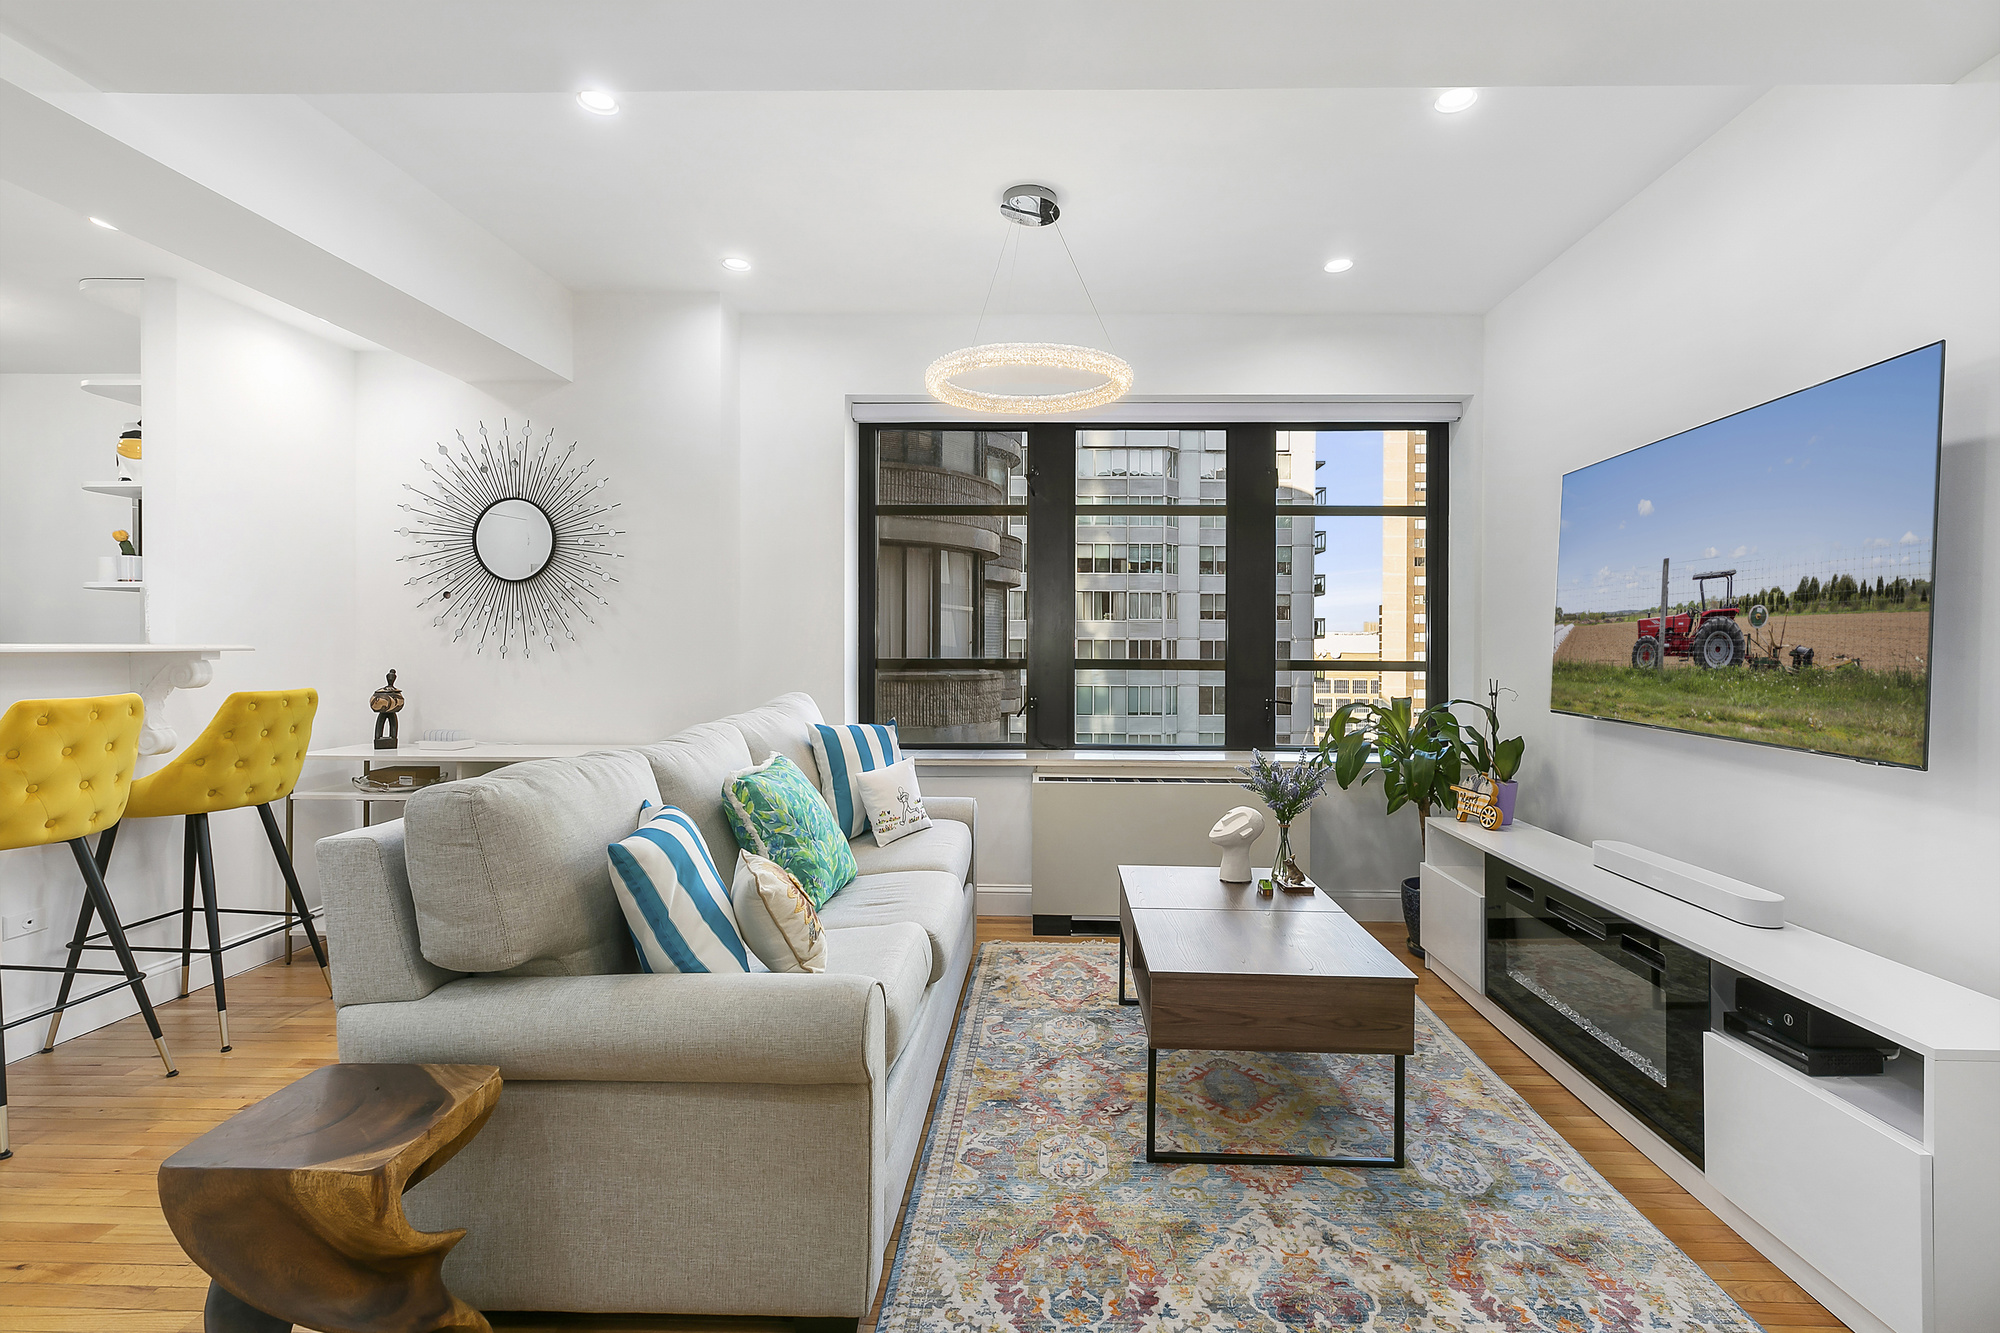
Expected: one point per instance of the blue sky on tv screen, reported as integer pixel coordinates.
(1838, 478)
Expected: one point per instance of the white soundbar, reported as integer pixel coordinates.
(1715, 893)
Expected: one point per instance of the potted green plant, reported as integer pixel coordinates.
(1418, 757)
(1488, 754)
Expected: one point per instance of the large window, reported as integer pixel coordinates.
(1007, 569)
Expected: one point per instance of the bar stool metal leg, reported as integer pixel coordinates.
(6, 1146)
(187, 899)
(94, 884)
(295, 896)
(205, 859)
(84, 915)
(105, 842)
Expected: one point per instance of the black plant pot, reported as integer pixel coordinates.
(1413, 913)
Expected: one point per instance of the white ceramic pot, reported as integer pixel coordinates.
(131, 568)
(107, 569)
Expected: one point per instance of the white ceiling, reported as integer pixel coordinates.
(1210, 157)
(1173, 201)
(506, 46)
(47, 327)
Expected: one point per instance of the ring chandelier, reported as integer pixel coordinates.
(1031, 206)
(1044, 356)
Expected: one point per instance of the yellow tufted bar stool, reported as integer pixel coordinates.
(65, 772)
(249, 754)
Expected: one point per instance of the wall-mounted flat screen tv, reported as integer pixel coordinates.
(1766, 577)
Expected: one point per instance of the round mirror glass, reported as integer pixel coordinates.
(513, 539)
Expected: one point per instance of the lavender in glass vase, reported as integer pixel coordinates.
(1287, 789)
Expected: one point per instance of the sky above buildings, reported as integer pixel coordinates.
(1838, 478)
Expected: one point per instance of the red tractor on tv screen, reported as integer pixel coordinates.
(1708, 634)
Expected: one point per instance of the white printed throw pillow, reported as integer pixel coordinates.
(895, 805)
(776, 917)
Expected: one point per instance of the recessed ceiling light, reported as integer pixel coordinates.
(597, 101)
(736, 264)
(1456, 99)
(1339, 265)
(102, 223)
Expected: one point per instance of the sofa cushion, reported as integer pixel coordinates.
(898, 956)
(507, 870)
(776, 812)
(930, 898)
(674, 899)
(691, 769)
(782, 726)
(946, 845)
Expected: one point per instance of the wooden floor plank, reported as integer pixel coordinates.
(87, 1249)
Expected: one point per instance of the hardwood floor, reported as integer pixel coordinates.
(83, 1246)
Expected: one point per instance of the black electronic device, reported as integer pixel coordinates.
(1812, 1061)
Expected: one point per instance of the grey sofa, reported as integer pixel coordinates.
(668, 1144)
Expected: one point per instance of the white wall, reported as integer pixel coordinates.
(250, 540)
(654, 403)
(1823, 230)
(54, 439)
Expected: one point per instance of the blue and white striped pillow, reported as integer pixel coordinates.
(844, 753)
(675, 903)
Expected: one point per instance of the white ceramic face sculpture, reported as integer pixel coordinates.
(1234, 833)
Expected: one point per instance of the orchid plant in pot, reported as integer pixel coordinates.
(1418, 756)
(1288, 789)
(1487, 753)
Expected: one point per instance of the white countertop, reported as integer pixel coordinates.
(480, 752)
(55, 649)
(1925, 1013)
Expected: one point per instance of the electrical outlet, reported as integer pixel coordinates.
(25, 924)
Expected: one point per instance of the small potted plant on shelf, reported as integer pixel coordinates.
(1499, 760)
(129, 568)
(1287, 789)
(1419, 758)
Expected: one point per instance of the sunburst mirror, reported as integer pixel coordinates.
(513, 541)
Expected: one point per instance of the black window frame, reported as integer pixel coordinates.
(1251, 510)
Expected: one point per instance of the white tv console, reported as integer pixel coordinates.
(1879, 1195)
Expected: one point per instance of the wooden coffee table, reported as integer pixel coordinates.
(1216, 967)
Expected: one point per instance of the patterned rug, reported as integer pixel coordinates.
(1035, 1208)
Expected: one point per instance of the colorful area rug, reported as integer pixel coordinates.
(1035, 1208)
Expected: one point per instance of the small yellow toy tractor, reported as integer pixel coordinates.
(1477, 802)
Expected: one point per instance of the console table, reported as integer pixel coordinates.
(1878, 1195)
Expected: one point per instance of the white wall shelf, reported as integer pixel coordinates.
(117, 585)
(124, 388)
(125, 490)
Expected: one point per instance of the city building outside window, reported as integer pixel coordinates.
(975, 641)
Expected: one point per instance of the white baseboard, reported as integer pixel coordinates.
(163, 984)
(1369, 904)
(1663, 1155)
(1006, 900)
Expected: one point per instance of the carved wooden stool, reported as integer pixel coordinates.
(294, 1206)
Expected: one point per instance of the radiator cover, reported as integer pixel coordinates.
(1086, 826)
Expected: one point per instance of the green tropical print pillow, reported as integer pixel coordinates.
(777, 812)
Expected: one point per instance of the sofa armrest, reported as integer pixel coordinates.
(963, 810)
(758, 1027)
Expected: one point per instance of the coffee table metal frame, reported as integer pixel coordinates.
(1397, 1159)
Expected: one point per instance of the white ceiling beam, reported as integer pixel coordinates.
(515, 46)
(267, 192)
